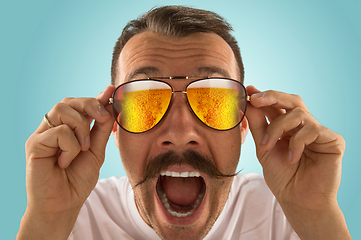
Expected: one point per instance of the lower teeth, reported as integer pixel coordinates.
(164, 199)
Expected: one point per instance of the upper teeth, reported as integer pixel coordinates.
(180, 174)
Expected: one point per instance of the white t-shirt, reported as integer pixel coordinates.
(251, 212)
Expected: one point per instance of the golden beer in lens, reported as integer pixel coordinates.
(141, 110)
(219, 103)
(216, 107)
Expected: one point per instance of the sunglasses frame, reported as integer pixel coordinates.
(160, 79)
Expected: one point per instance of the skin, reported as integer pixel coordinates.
(154, 55)
(301, 159)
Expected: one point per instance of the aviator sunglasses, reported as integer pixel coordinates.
(219, 103)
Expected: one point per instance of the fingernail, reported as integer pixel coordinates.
(258, 95)
(87, 142)
(265, 139)
(102, 111)
(289, 158)
(67, 165)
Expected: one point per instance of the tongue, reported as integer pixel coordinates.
(182, 191)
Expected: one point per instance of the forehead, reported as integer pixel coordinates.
(150, 54)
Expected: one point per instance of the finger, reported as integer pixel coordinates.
(93, 108)
(257, 119)
(99, 137)
(89, 107)
(64, 114)
(101, 130)
(104, 96)
(270, 112)
(305, 136)
(284, 124)
(58, 138)
(276, 99)
(78, 113)
(257, 123)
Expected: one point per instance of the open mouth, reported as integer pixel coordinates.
(181, 192)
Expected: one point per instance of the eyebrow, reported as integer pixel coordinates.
(207, 71)
(148, 71)
(204, 71)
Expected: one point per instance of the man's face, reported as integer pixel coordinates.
(199, 200)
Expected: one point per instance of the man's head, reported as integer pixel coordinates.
(177, 21)
(183, 207)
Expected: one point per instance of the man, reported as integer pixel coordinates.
(181, 118)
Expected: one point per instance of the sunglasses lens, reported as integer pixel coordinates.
(219, 103)
(140, 105)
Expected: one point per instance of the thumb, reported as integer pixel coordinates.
(99, 136)
(100, 132)
(257, 121)
(257, 124)
(104, 96)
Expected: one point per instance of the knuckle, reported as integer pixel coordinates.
(60, 107)
(314, 125)
(299, 101)
(299, 111)
(341, 144)
(67, 99)
(29, 142)
(270, 93)
(338, 149)
(64, 129)
(342, 140)
(297, 98)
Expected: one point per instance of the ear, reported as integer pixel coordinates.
(115, 133)
(244, 129)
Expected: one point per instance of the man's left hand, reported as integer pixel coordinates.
(301, 162)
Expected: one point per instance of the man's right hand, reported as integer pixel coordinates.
(63, 163)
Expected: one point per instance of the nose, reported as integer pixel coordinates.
(180, 129)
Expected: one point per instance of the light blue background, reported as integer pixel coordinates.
(54, 49)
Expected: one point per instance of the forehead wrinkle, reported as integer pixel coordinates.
(161, 60)
(170, 49)
(159, 57)
(151, 40)
(175, 54)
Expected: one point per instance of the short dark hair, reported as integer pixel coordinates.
(177, 21)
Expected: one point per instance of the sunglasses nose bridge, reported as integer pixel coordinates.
(184, 97)
(184, 92)
(174, 92)
(179, 92)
